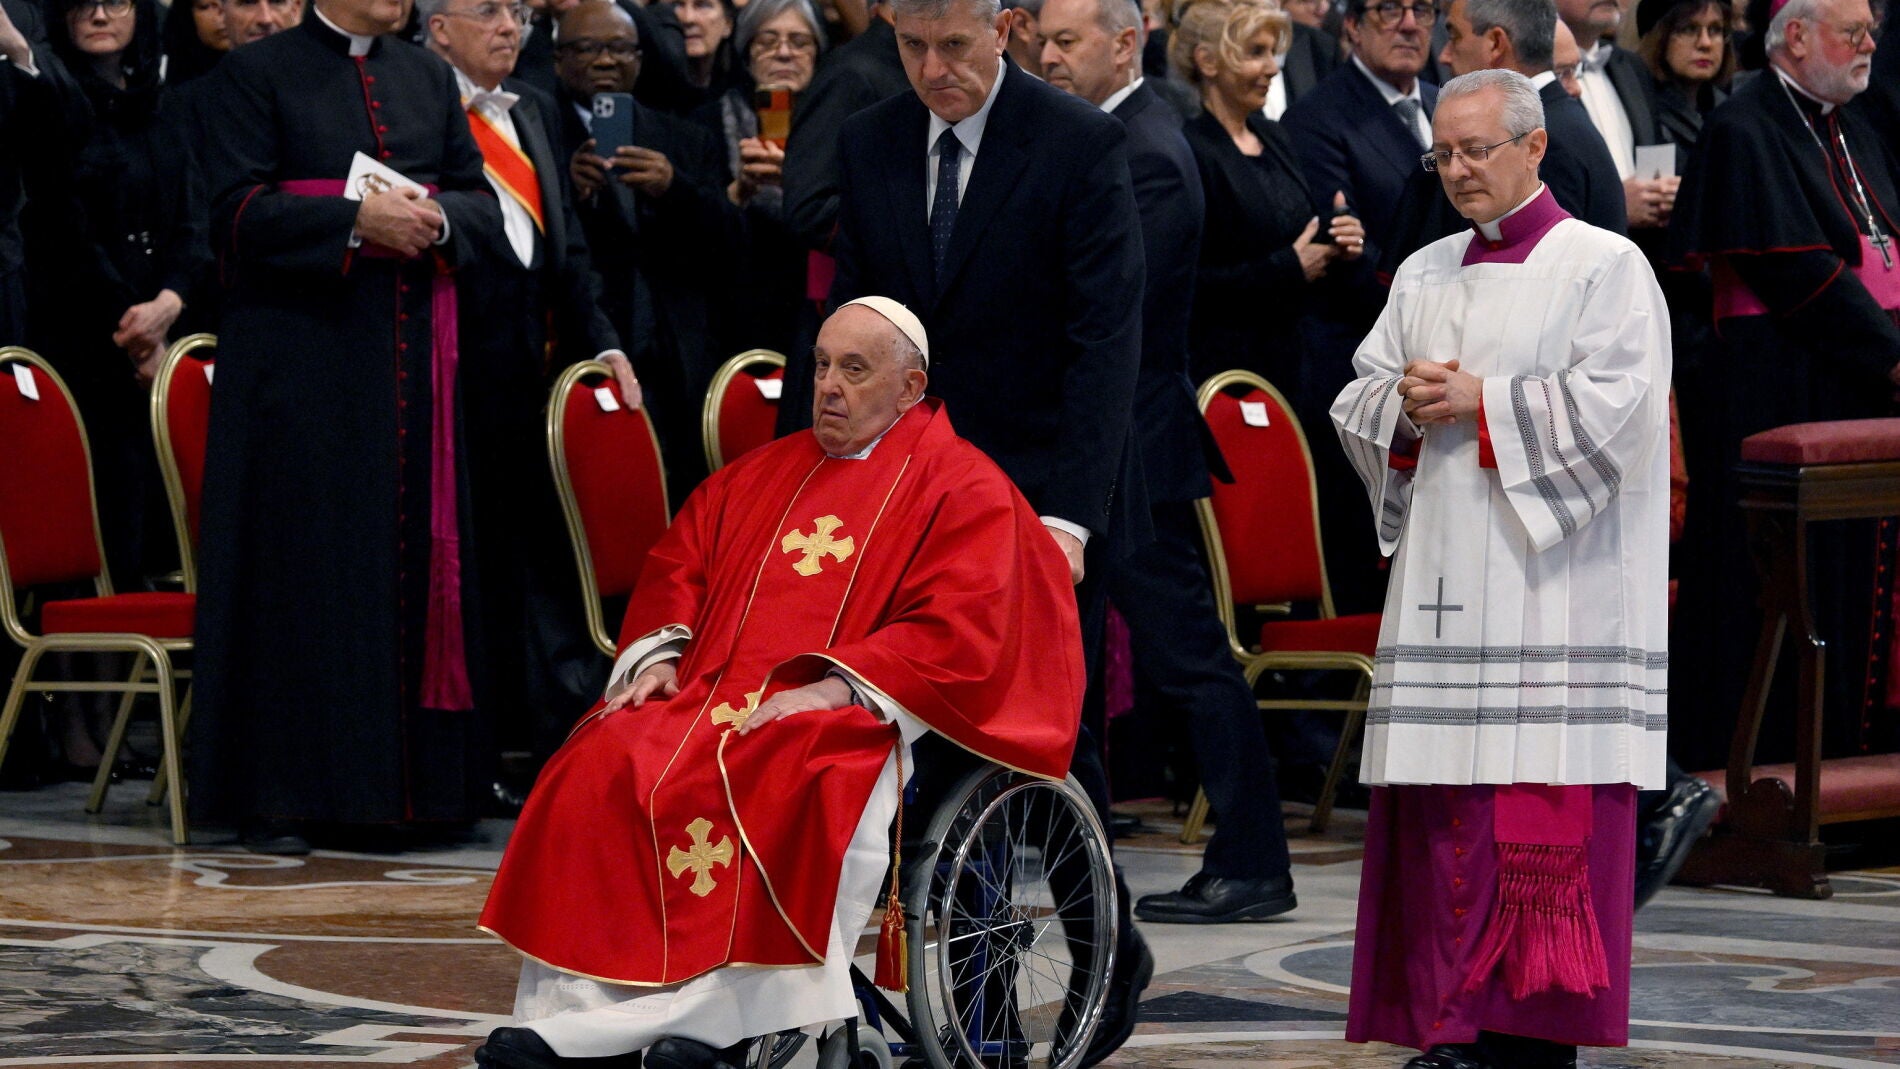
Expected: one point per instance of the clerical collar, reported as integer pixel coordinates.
(1509, 238)
(1794, 86)
(474, 96)
(970, 130)
(359, 43)
(1126, 91)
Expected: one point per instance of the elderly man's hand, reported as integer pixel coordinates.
(661, 679)
(401, 219)
(828, 693)
(623, 374)
(1071, 547)
(1440, 393)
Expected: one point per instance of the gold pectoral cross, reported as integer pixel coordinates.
(726, 714)
(817, 545)
(701, 857)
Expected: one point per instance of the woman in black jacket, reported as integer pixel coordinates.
(1686, 46)
(1262, 245)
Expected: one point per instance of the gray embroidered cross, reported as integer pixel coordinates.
(1438, 626)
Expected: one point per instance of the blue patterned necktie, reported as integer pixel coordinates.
(1409, 110)
(943, 209)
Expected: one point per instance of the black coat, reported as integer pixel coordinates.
(1251, 289)
(1313, 56)
(860, 73)
(1177, 449)
(1636, 88)
(1679, 117)
(760, 303)
(43, 122)
(1577, 166)
(662, 83)
(1035, 324)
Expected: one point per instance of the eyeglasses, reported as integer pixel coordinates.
(801, 44)
(1857, 34)
(491, 11)
(1437, 160)
(1390, 13)
(111, 8)
(1564, 74)
(1689, 31)
(588, 48)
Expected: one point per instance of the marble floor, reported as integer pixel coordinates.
(117, 948)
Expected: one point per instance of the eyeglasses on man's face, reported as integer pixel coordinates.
(587, 48)
(1857, 33)
(1389, 13)
(493, 11)
(800, 43)
(110, 8)
(1440, 159)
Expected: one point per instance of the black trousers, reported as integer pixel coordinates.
(1180, 647)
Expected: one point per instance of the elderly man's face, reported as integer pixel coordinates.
(1393, 37)
(1565, 56)
(1079, 55)
(860, 382)
(1484, 190)
(952, 62)
(1465, 50)
(1832, 54)
(598, 50)
(253, 20)
(482, 38)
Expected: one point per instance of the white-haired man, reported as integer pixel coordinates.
(1793, 205)
(1510, 420)
(814, 608)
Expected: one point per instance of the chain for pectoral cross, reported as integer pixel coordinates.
(1876, 237)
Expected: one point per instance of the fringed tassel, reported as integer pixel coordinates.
(444, 657)
(893, 941)
(1543, 928)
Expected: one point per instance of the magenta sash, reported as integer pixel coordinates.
(1734, 298)
(445, 653)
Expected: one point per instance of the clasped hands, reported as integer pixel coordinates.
(1440, 393)
(403, 219)
(662, 679)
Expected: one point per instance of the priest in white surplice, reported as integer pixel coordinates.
(1510, 420)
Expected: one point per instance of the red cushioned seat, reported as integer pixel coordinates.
(1348, 634)
(1861, 788)
(161, 615)
(1845, 441)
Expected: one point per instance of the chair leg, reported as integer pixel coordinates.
(1348, 734)
(1196, 818)
(168, 732)
(109, 756)
(159, 782)
(16, 697)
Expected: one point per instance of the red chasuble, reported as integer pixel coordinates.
(659, 844)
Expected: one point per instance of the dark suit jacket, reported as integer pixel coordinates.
(1035, 325)
(1637, 90)
(1314, 55)
(863, 71)
(1578, 167)
(1176, 447)
(662, 82)
(44, 121)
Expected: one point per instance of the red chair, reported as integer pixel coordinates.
(741, 410)
(607, 467)
(49, 534)
(1263, 550)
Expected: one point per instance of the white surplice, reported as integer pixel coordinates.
(1525, 631)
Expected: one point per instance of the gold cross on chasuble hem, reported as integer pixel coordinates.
(701, 857)
(817, 545)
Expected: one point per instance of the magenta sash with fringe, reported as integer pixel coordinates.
(1543, 927)
(445, 653)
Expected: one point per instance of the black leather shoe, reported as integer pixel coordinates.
(676, 1053)
(1507, 1051)
(1451, 1056)
(278, 838)
(1134, 969)
(1219, 900)
(523, 1048)
(1664, 840)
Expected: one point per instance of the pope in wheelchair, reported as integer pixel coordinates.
(696, 863)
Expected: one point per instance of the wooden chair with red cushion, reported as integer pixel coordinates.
(49, 536)
(1263, 549)
(741, 410)
(607, 466)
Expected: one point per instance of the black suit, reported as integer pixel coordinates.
(1176, 636)
(662, 83)
(1636, 88)
(660, 259)
(544, 669)
(1313, 55)
(43, 122)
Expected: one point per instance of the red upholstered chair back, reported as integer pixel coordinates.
(739, 414)
(606, 462)
(1263, 528)
(181, 420)
(49, 532)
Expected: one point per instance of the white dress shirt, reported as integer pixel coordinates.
(1606, 108)
(1392, 96)
(496, 105)
(1276, 90)
(1115, 100)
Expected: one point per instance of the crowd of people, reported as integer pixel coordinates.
(403, 218)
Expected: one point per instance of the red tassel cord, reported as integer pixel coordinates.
(1543, 928)
(893, 941)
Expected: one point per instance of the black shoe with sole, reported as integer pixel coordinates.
(676, 1053)
(523, 1048)
(1451, 1056)
(1219, 900)
(1134, 969)
(1664, 840)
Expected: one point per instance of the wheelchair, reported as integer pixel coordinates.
(1009, 899)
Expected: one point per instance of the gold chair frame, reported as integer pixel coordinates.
(716, 396)
(1253, 662)
(149, 652)
(571, 508)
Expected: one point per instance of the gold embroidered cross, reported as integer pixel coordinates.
(701, 858)
(726, 714)
(816, 545)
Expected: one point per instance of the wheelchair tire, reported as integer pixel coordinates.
(1011, 910)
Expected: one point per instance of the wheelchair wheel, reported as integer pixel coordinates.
(1011, 908)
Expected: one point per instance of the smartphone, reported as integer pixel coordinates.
(774, 107)
(613, 123)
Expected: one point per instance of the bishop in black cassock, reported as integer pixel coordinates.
(1792, 203)
(332, 673)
